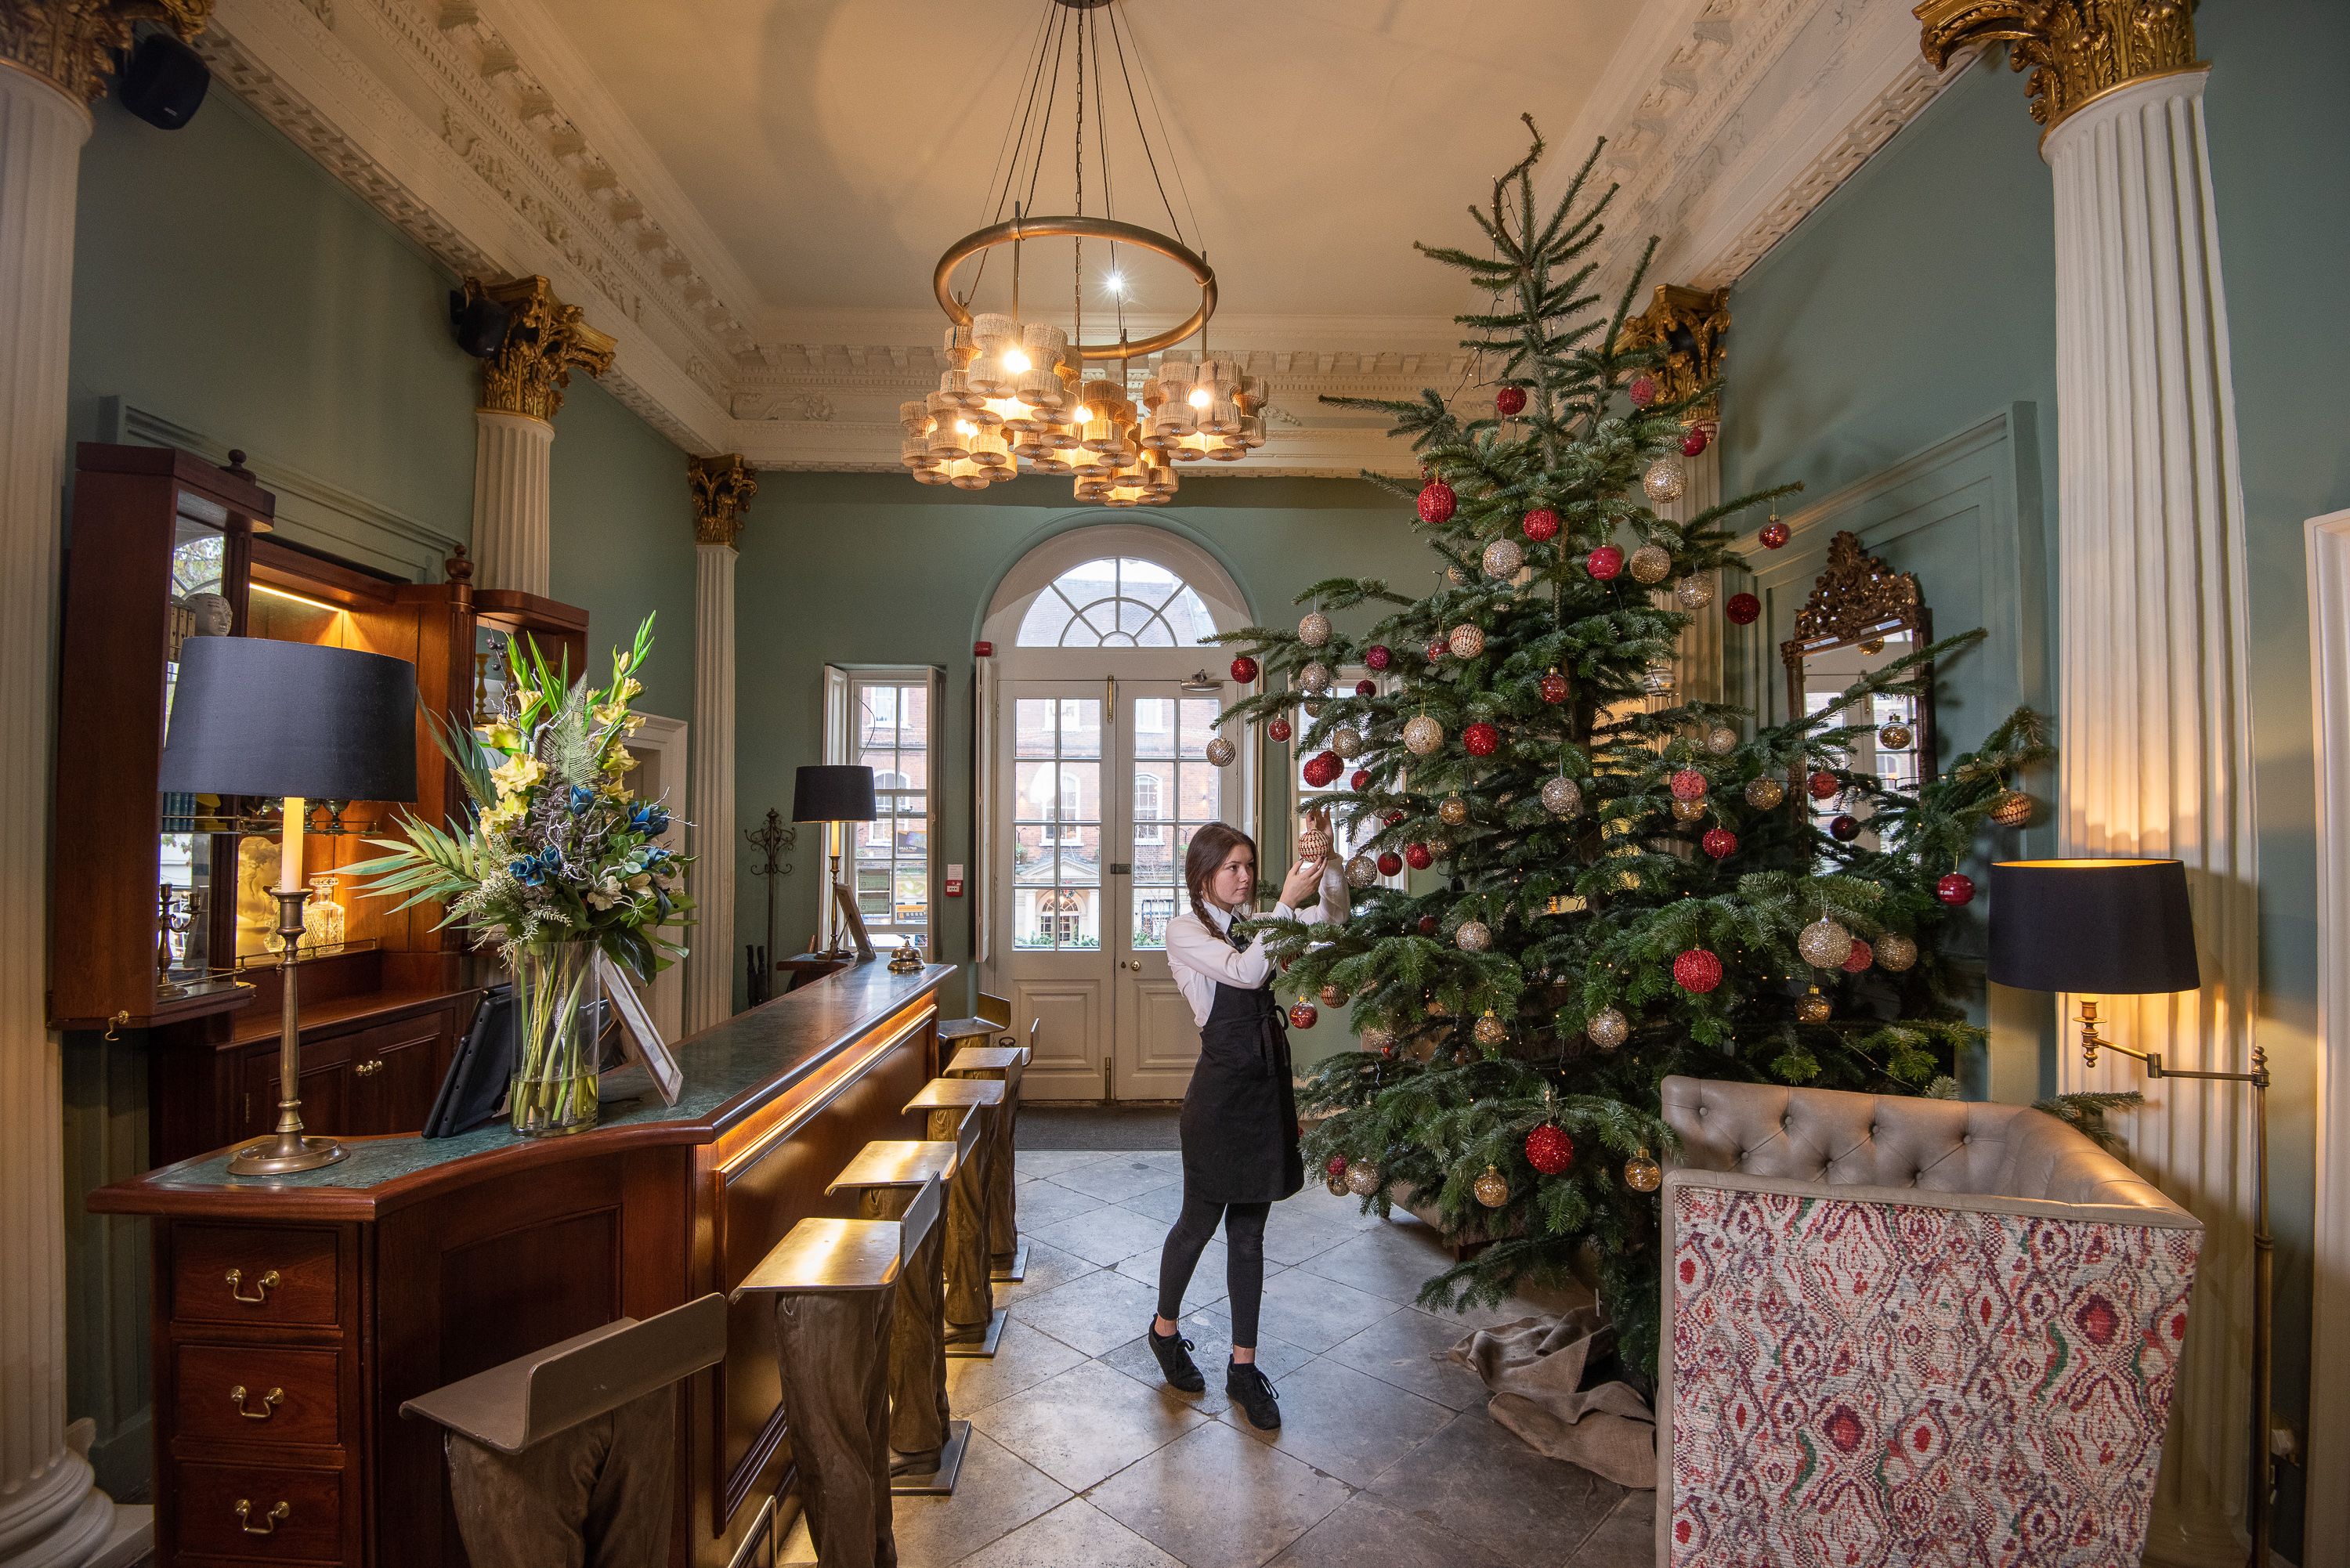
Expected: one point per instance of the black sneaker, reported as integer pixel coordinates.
(1254, 1396)
(1175, 1363)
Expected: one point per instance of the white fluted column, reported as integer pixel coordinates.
(2154, 734)
(51, 1514)
(513, 461)
(721, 487)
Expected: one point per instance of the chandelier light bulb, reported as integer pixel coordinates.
(965, 427)
(1083, 415)
(1201, 396)
(1115, 281)
(1015, 362)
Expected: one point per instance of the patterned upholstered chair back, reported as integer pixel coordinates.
(1893, 1325)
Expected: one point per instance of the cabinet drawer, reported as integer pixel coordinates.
(289, 1515)
(281, 1276)
(256, 1394)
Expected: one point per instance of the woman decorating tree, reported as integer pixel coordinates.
(1240, 1116)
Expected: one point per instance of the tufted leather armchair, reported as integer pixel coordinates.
(1902, 1330)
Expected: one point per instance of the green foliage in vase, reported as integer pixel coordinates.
(1587, 900)
(552, 846)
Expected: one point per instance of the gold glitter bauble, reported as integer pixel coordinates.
(1690, 810)
(1642, 1173)
(1333, 997)
(1453, 810)
(1452, 575)
(1896, 951)
(1346, 741)
(1472, 937)
(1314, 629)
(1503, 558)
(1562, 797)
(1666, 478)
(1492, 1189)
(1651, 564)
(1315, 679)
(1437, 846)
(2011, 809)
(1608, 1029)
(1764, 792)
(1337, 1186)
(1896, 737)
(1824, 944)
(1422, 735)
(1313, 709)
(1362, 1178)
(1694, 593)
(1490, 1029)
(1362, 871)
(1466, 641)
(1721, 741)
(1814, 1008)
(1221, 752)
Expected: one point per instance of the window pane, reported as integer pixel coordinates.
(884, 765)
(1079, 798)
(1043, 624)
(1032, 727)
(1035, 793)
(1078, 850)
(1153, 909)
(1150, 791)
(1081, 726)
(1200, 793)
(1154, 854)
(911, 771)
(913, 827)
(913, 715)
(1031, 927)
(1031, 858)
(1146, 579)
(912, 896)
(1154, 727)
(1199, 724)
(1189, 616)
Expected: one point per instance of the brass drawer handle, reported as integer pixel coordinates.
(269, 1403)
(274, 1518)
(260, 1287)
(369, 1068)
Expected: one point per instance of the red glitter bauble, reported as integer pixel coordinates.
(1549, 1149)
(1366, 688)
(1377, 656)
(1481, 739)
(1642, 391)
(1688, 784)
(1417, 856)
(1844, 828)
(1427, 925)
(1336, 1165)
(1510, 400)
(1243, 670)
(1693, 443)
(1955, 890)
(1541, 525)
(1278, 730)
(1743, 609)
(1860, 958)
(1823, 786)
(1305, 1015)
(1437, 648)
(1553, 686)
(1604, 563)
(1389, 862)
(1436, 503)
(1322, 769)
(1719, 843)
(1697, 970)
(1391, 816)
(1774, 534)
(1360, 781)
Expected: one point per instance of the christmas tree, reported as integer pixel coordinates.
(1620, 893)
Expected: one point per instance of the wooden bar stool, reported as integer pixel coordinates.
(993, 1019)
(569, 1454)
(834, 1284)
(1007, 1253)
(974, 1324)
(926, 1444)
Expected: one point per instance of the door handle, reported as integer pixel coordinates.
(1135, 964)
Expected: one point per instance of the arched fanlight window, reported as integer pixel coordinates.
(1117, 602)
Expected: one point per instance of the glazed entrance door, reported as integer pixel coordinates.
(1054, 788)
(1170, 790)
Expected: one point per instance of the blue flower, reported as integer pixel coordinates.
(525, 870)
(582, 797)
(651, 820)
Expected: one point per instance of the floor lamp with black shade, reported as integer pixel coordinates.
(833, 793)
(251, 716)
(2119, 928)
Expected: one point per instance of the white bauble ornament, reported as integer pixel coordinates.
(1313, 709)
(1608, 1029)
(1422, 735)
(1666, 478)
(1221, 752)
(1346, 741)
(1560, 796)
(1651, 564)
(1503, 558)
(1465, 641)
(1721, 741)
(1315, 679)
(1314, 629)
(1362, 871)
(1472, 937)
(1824, 944)
(1694, 593)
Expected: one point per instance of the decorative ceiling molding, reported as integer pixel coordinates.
(473, 126)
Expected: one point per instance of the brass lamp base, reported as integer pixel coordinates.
(283, 1154)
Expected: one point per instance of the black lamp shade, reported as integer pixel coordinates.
(833, 793)
(2109, 928)
(252, 716)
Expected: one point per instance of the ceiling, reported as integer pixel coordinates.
(836, 147)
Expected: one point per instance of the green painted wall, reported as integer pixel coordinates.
(1922, 295)
(876, 570)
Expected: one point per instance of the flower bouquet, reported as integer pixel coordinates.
(552, 862)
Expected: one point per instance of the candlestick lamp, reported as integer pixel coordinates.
(833, 795)
(254, 717)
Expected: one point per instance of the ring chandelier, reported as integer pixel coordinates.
(1015, 397)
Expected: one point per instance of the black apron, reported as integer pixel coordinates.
(1240, 1115)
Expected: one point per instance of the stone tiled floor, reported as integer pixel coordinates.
(1081, 1457)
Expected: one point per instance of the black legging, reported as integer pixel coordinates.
(1244, 1260)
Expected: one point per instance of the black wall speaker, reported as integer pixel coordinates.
(163, 82)
(480, 324)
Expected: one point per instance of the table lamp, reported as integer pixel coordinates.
(2123, 928)
(254, 717)
(833, 795)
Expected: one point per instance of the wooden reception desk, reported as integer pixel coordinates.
(345, 1291)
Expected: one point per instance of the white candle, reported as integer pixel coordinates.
(290, 852)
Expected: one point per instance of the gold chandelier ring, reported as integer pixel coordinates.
(1134, 234)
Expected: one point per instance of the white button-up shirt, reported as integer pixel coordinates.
(1201, 957)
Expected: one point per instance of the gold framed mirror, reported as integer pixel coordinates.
(1861, 617)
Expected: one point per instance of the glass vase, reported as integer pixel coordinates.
(556, 991)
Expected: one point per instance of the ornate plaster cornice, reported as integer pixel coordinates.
(1691, 325)
(2074, 49)
(723, 487)
(546, 341)
(73, 42)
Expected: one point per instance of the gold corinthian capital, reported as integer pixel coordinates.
(72, 42)
(546, 341)
(723, 487)
(1691, 325)
(2074, 49)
